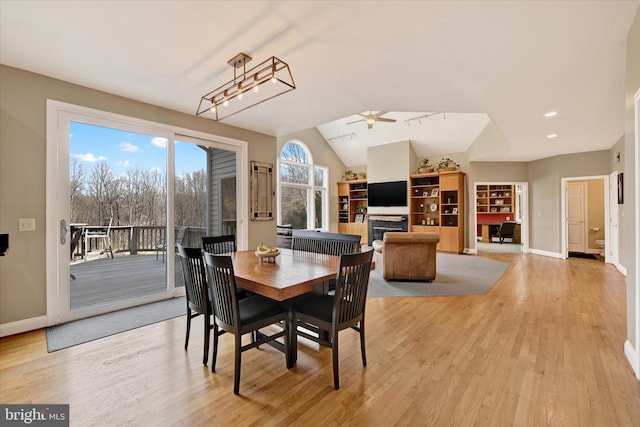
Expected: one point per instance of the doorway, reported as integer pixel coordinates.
(495, 203)
(586, 220)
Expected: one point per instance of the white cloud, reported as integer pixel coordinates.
(159, 141)
(128, 147)
(156, 170)
(88, 157)
(123, 163)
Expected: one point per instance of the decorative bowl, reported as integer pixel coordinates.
(267, 256)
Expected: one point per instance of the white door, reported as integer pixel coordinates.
(110, 173)
(611, 244)
(576, 227)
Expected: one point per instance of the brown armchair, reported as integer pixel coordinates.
(407, 256)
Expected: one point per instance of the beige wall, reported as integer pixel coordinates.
(22, 175)
(628, 215)
(545, 208)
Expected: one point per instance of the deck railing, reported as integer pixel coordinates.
(138, 238)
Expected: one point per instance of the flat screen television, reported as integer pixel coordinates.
(393, 193)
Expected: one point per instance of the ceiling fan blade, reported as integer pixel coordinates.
(357, 121)
(379, 114)
(384, 119)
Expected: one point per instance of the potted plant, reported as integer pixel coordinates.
(425, 166)
(446, 164)
(362, 175)
(349, 175)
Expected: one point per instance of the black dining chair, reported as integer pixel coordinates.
(241, 316)
(198, 301)
(219, 244)
(345, 309)
(506, 230)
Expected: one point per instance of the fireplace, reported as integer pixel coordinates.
(379, 224)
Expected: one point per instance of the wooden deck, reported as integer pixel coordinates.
(106, 280)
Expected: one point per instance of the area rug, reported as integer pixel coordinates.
(104, 325)
(455, 275)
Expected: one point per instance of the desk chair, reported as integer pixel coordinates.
(506, 230)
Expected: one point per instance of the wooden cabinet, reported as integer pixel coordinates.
(437, 205)
(352, 208)
(495, 199)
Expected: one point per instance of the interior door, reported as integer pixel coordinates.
(576, 208)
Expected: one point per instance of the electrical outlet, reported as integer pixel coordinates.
(27, 224)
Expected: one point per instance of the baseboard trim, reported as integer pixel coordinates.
(21, 326)
(620, 268)
(633, 357)
(547, 253)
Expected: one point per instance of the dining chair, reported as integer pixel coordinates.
(345, 309)
(219, 244)
(198, 301)
(241, 316)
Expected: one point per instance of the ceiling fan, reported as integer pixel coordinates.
(372, 118)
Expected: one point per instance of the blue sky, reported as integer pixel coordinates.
(126, 150)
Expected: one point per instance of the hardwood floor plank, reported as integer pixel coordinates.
(543, 347)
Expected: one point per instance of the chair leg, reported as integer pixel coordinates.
(362, 348)
(334, 352)
(207, 335)
(214, 356)
(186, 340)
(238, 361)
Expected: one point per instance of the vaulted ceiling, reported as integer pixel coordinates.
(506, 63)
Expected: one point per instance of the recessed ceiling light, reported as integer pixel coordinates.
(551, 114)
(553, 135)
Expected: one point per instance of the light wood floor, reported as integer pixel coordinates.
(543, 347)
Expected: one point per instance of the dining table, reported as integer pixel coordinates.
(290, 274)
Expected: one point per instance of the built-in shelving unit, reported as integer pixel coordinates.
(437, 205)
(495, 199)
(352, 207)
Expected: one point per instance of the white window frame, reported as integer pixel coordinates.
(309, 186)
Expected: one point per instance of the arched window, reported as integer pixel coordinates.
(302, 189)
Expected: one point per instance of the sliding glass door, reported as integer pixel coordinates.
(119, 196)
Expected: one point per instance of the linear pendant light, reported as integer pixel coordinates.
(248, 88)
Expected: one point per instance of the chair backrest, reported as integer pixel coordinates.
(219, 244)
(222, 287)
(195, 282)
(325, 243)
(506, 228)
(351, 287)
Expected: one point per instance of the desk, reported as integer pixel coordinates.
(491, 229)
(292, 274)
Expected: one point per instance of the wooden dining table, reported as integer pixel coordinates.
(291, 274)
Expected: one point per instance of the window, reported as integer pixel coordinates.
(302, 189)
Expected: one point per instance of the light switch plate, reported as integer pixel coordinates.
(27, 224)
